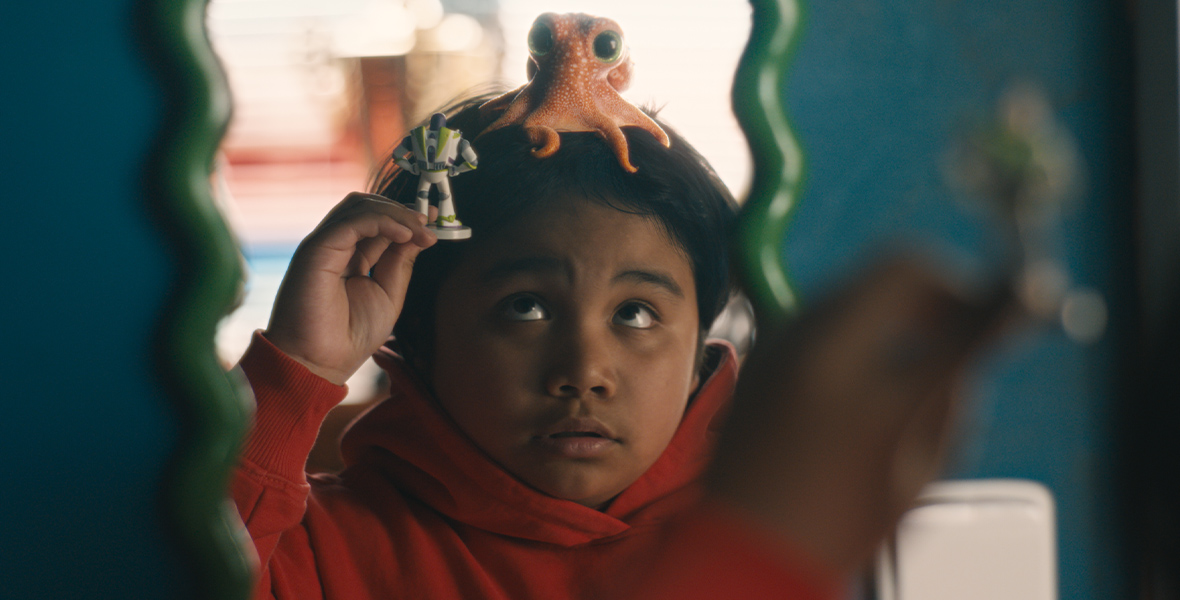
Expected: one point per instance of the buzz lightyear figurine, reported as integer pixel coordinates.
(435, 151)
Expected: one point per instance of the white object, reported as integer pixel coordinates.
(989, 539)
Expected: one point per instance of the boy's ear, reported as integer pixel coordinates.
(699, 365)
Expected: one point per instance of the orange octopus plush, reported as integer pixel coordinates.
(577, 66)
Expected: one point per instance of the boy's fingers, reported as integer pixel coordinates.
(346, 204)
(358, 204)
(393, 269)
(335, 244)
(902, 323)
(413, 220)
(368, 251)
(895, 343)
(334, 247)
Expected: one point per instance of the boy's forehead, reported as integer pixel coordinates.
(574, 227)
(549, 239)
(552, 221)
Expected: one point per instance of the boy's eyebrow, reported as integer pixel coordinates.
(645, 276)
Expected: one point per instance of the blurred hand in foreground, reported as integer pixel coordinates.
(841, 418)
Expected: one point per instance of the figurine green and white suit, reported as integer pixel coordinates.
(436, 152)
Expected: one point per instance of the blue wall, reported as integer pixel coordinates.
(87, 429)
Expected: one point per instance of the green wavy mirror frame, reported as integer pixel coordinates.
(211, 407)
(778, 162)
(214, 413)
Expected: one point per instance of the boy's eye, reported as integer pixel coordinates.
(523, 308)
(634, 315)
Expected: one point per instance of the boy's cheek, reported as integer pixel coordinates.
(483, 363)
(672, 356)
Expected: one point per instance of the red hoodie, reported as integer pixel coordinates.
(421, 512)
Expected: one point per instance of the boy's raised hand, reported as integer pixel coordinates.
(346, 284)
(841, 419)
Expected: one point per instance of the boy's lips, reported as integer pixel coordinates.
(578, 438)
(579, 427)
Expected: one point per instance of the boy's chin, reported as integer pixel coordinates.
(596, 497)
(591, 483)
(595, 503)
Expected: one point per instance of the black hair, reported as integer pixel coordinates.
(675, 187)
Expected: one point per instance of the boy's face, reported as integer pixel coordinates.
(566, 348)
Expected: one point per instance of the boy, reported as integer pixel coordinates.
(554, 402)
(544, 368)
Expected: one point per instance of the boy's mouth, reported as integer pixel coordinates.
(579, 427)
(578, 438)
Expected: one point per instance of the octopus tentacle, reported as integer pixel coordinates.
(545, 140)
(638, 118)
(618, 142)
(504, 109)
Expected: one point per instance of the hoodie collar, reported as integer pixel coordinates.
(416, 446)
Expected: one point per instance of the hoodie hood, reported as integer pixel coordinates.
(412, 444)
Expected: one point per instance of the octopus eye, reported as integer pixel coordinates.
(608, 46)
(540, 39)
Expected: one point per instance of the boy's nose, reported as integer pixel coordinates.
(581, 367)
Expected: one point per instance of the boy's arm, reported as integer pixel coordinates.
(339, 299)
(470, 160)
(399, 156)
(269, 487)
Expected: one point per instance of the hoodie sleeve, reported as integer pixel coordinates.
(269, 486)
(714, 553)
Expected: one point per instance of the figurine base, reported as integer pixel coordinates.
(450, 233)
